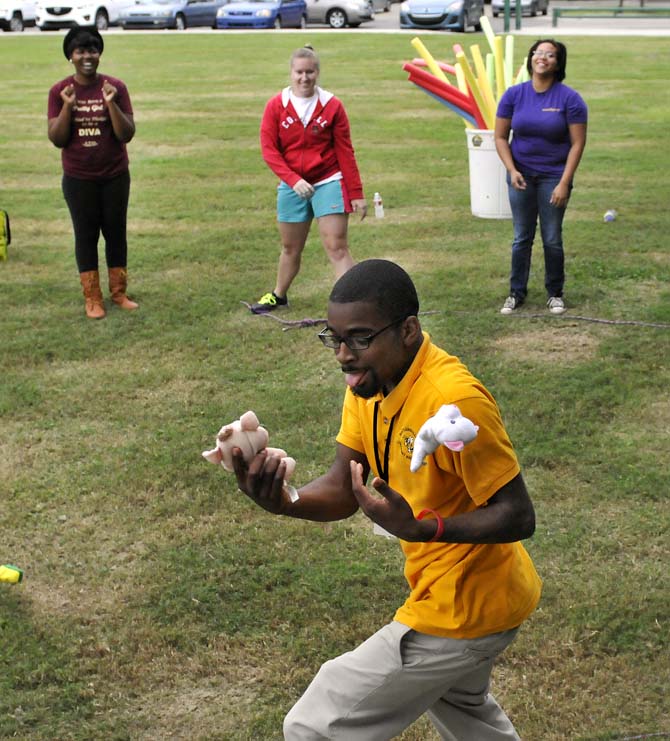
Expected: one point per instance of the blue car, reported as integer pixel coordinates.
(263, 14)
(452, 15)
(179, 14)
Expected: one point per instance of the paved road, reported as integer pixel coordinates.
(539, 26)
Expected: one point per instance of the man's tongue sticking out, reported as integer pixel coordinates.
(354, 378)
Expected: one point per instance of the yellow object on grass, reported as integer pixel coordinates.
(10, 574)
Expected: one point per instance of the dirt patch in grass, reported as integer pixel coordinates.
(555, 345)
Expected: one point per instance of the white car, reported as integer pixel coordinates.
(103, 13)
(15, 15)
(530, 7)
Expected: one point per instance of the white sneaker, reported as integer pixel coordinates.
(556, 305)
(511, 304)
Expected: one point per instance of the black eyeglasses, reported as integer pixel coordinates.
(333, 341)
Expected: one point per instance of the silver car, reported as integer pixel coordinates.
(340, 13)
(528, 7)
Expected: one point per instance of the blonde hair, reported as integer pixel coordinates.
(305, 52)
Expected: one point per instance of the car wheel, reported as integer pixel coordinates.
(180, 22)
(101, 20)
(16, 23)
(478, 26)
(336, 18)
(495, 13)
(465, 22)
(277, 23)
(533, 10)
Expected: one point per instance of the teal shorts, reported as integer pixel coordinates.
(328, 198)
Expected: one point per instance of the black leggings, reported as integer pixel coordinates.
(98, 206)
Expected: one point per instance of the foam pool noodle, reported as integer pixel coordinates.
(488, 32)
(509, 60)
(429, 83)
(475, 91)
(469, 120)
(432, 64)
(490, 70)
(420, 62)
(483, 81)
(500, 74)
(460, 79)
(523, 75)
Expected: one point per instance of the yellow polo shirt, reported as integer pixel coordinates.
(458, 590)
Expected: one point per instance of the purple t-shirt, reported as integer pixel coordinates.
(93, 152)
(541, 138)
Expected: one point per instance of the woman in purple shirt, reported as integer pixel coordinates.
(548, 122)
(90, 119)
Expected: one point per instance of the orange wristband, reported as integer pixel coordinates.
(440, 523)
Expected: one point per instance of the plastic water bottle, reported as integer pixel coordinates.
(610, 215)
(379, 206)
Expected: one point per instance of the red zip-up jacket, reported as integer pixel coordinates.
(314, 152)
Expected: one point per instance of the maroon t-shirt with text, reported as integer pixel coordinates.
(93, 152)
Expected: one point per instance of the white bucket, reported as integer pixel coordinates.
(488, 185)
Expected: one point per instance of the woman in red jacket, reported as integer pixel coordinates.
(306, 142)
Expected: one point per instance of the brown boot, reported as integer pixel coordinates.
(118, 282)
(90, 283)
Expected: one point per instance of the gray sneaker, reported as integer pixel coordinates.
(555, 305)
(511, 304)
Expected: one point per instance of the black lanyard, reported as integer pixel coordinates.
(383, 471)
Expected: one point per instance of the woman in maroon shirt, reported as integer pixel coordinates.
(90, 120)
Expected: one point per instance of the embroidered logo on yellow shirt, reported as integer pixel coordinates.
(407, 436)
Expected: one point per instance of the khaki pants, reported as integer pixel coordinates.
(390, 680)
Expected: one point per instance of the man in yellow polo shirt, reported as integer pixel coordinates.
(471, 581)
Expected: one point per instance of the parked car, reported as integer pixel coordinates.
(381, 6)
(179, 14)
(340, 13)
(15, 15)
(455, 15)
(530, 7)
(262, 14)
(101, 13)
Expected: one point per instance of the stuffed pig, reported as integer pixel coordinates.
(447, 427)
(247, 434)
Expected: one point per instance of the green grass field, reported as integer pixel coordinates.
(157, 602)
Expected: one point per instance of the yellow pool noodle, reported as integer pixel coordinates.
(488, 31)
(490, 71)
(463, 87)
(483, 80)
(500, 75)
(509, 60)
(476, 92)
(460, 79)
(432, 64)
(522, 74)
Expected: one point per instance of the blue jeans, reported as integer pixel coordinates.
(527, 205)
